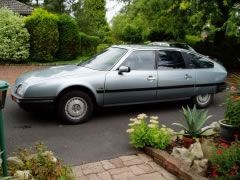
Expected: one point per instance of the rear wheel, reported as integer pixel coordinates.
(75, 107)
(203, 100)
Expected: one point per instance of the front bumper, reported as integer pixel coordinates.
(32, 104)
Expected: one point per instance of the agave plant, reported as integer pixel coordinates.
(195, 120)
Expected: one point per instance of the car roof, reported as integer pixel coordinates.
(145, 47)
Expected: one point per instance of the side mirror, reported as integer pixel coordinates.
(123, 69)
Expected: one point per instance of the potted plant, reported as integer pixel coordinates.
(230, 125)
(195, 120)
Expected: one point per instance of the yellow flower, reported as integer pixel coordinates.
(130, 131)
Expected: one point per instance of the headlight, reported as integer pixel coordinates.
(21, 89)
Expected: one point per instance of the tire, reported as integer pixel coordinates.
(203, 100)
(75, 107)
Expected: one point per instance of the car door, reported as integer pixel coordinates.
(138, 85)
(175, 79)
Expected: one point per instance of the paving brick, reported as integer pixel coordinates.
(152, 176)
(123, 176)
(90, 165)
(127, 158)
(93, 177)
(145, 157)
(77, 171)
(133, 162)
(107, 165)
(92, 168)
(147, 168)
(136, 170)
(118, 170)
(105, 175)
(117, 162)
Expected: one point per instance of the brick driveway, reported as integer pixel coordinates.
(133, 167)
(9, 73)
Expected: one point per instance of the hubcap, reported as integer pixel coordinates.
(203, 99)
(76, 108)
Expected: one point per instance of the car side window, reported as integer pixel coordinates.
(170, 60)
(140, 60)
(199, 62)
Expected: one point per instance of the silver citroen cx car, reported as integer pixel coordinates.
(121, 75)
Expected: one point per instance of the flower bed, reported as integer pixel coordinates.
(206, 156)
(38, 163)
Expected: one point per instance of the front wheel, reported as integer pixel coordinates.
(203, 100)
(75, 107)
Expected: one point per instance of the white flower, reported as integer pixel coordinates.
(130, 130)
(137, 122)
(133, 119)
(170, 130)
(152, 125)
(131, 124)
(163, 126)
(154, 117)
(142, 116)
(154, 121)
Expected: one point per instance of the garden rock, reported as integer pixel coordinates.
(183, 154)
(23, 175)
(15, 161)
(200, 166)
(196, 150)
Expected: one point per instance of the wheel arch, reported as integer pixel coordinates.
(77, 87)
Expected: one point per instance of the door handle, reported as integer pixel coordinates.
(151, 78)
(187, 76)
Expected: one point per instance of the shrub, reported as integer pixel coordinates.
(39, 164)
(142, 133)
(43, 29)
(69, 40)
(226, 160)
(102, 47)
(88, 44)
(14, 38)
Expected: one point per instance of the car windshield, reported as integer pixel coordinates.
(105, 60)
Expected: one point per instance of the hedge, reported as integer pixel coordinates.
(14, 38)
(69, 39)
(88, 44)
(44, 35)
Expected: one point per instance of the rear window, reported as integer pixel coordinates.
(200, 62)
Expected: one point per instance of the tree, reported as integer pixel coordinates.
(14, 38)
(90, 15)
(58, 6)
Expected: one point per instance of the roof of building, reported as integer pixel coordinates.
(16, 6)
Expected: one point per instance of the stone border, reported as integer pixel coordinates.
(172, 164)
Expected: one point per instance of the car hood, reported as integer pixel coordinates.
(53, 72)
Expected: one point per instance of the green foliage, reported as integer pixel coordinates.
(43, 29)
(90, 15)
(102, 47)
(142, 133)
(14, 38)
(192, 39)
(88, 44)
(195, 120)
(69, 39)
(226, 159)
(232, 113)
(41, 163)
